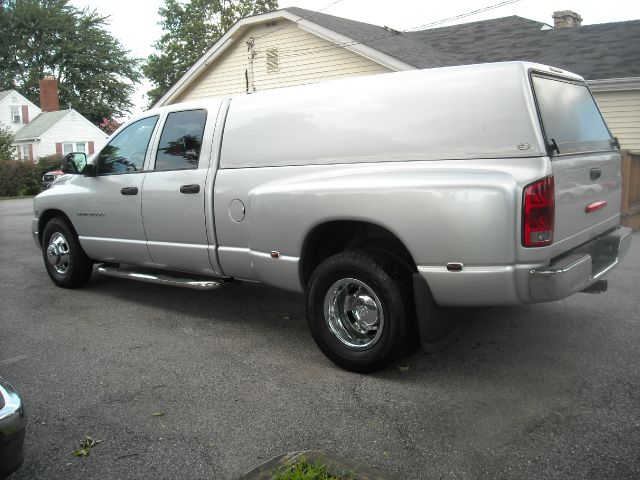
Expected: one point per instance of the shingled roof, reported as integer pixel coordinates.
(40, 125)
(608, 50)
(5, 93)
(399, 45)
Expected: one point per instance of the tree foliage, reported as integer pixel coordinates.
(191, 28)
(7, 151)
(51, 37)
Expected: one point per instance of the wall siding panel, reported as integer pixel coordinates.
(621, 110)
(303, 58)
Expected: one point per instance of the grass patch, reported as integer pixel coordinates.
(18, 197)
(302, 470)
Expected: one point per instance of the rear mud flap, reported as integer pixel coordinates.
(437, 329)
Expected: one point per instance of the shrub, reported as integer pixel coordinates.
(48, 163)
(18, 178)
(23, 178)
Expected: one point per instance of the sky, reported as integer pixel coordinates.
(135, 23)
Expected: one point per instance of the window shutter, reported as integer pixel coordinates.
(59, 148)
(91, 148)
(30, 150)
(25, 114)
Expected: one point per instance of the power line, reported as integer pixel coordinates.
(463, 15)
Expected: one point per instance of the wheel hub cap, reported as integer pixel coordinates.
(353, 313)
(58, 253)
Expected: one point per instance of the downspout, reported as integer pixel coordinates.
(250, 56)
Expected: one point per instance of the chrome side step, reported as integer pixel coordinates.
(162, 278)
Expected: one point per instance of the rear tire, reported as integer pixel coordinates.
(359, 310)
(65, 261)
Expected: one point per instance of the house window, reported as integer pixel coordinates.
(24, 152)
(273, 60)
(15, 114)
(74, 147)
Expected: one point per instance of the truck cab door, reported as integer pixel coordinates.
(174, 194)
(108, 217)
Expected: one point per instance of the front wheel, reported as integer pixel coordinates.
(359, 310)
(66, 263)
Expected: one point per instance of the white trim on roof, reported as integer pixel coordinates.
(355, 46)
(228, 39)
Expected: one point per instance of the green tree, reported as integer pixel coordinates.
(7, 151)
(191, 28)
(51, 37)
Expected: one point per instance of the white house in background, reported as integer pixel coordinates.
(60, 132)
(47, 130)
(16, 110)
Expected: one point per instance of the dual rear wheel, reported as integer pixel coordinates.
(360, 310)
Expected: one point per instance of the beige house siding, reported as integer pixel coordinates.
(621, 110)
(302, 58)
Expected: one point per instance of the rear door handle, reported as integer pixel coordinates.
(190, 188)
(129, 191)
(594, 173)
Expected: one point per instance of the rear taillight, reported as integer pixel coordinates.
(538, 211)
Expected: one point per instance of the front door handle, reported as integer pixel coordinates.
(190, 188)
(129, 191)
(594, 173)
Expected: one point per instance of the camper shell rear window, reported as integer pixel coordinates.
(570, 117)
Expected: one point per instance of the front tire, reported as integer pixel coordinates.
(359, 310)
(65, 261)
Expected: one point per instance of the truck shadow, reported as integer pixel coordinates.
(492, 339)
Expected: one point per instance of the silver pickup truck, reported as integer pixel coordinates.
(383, 198)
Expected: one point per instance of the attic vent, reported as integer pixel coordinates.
(273, 23)
(273, 60)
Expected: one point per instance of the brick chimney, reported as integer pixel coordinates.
(566, 19)
(49, 94)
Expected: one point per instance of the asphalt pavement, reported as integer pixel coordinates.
(181, 384)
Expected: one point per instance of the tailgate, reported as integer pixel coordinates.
(585, 160)
(587, 192)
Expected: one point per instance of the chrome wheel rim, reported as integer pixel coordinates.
(58, 254)
(353, 313)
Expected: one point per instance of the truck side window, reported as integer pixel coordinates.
(126, 151)
(181, 140)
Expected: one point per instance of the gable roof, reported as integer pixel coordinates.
(5, 93)
(603, 52)
(39, 125)
(606, 50)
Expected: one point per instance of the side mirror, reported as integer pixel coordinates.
(74, 162)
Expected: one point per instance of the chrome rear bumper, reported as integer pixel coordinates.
(581, 267)
(12, 429)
